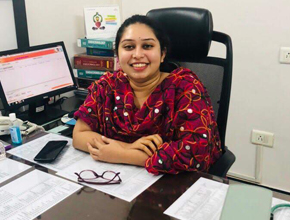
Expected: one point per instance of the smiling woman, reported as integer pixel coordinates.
(140, 115)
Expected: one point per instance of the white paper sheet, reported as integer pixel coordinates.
(283, 213)
(32, 194)
(134, 179)
(10, 168)
(68, 156)
(202, 201)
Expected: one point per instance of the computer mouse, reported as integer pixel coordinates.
(71, 114)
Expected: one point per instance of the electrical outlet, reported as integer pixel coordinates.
(262, 138)
(284, 55)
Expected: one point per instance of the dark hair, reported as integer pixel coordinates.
(157, 30)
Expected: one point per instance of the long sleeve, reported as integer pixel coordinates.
(195, 144)
(92, 110)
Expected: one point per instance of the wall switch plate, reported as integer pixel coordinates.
(284, 55)
(262, 138)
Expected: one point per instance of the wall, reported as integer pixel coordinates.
(260, 90)
(7, 30)
(55, 20)
(59, 20)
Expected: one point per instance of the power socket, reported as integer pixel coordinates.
(262, 138)
(284, 55)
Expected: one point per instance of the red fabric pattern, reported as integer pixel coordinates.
(179, 110)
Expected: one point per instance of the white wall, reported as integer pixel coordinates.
(59, 20)
(260, 90)
(260, 96)
(7, 26)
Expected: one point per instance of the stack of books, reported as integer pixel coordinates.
(99, 58)
(101, 25)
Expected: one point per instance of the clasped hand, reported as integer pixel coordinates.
(110, 150)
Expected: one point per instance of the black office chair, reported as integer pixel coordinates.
(190, 31)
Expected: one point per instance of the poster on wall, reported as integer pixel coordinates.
(102, 21)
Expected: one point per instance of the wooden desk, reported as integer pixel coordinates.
(89, 203)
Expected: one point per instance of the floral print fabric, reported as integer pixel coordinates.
(179, 110)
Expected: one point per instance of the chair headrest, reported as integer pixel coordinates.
(189, 31)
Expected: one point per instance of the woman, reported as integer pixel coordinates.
(142, 116)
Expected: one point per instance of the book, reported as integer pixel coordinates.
(247, 202)
(87, 62)
(102, 21)
(99, 43)
(81, 93)
(91, 74)
(100, 52)
(84, 83)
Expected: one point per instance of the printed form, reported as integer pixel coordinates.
(39, 191)
(68, 156)
(134, 179)
(10, 168)
(202, 201)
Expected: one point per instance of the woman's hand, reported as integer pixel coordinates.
(108, 150)
(147, 144)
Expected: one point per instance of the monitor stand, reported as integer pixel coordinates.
(47, 115)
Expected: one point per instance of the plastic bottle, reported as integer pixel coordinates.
(15, 130)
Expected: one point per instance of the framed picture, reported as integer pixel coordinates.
(102, 21)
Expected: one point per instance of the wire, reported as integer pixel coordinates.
(274, 208)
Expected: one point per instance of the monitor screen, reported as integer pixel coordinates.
(34, 73)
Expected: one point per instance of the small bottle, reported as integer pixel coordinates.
(2, 151)
(15, 130)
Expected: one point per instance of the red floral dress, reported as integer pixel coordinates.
(179, 110)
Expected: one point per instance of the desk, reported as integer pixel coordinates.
(91, 204)
(68, 105)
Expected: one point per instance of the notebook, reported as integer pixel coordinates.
(247, 202)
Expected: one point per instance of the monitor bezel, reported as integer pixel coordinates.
(44, 95)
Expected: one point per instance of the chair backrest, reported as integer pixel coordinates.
(190, 32)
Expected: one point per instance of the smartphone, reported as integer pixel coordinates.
(50, 151)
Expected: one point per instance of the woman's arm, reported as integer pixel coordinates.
(83, 134)
(113, 151)
(195, 145)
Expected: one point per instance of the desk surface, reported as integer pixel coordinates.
(89, 203)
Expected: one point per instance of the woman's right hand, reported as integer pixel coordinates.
(147, 144)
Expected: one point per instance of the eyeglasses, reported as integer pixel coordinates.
(91, 177)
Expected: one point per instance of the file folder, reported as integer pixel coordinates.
(246, 202)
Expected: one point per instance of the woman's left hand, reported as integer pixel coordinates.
(108, 151)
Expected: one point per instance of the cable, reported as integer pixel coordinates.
(274, 208)
(28, 127)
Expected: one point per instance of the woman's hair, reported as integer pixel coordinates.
(141, 19)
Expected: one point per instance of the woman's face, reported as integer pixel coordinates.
(140, 53)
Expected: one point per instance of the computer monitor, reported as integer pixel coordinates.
(31, 76)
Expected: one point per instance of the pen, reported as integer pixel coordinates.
(8, 147)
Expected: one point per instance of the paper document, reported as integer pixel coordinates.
(134, 179)
(68, 156)
(202, 201)
(10, 168)
(32, 194)
(283, 213)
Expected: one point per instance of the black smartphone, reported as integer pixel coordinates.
(50, 151)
